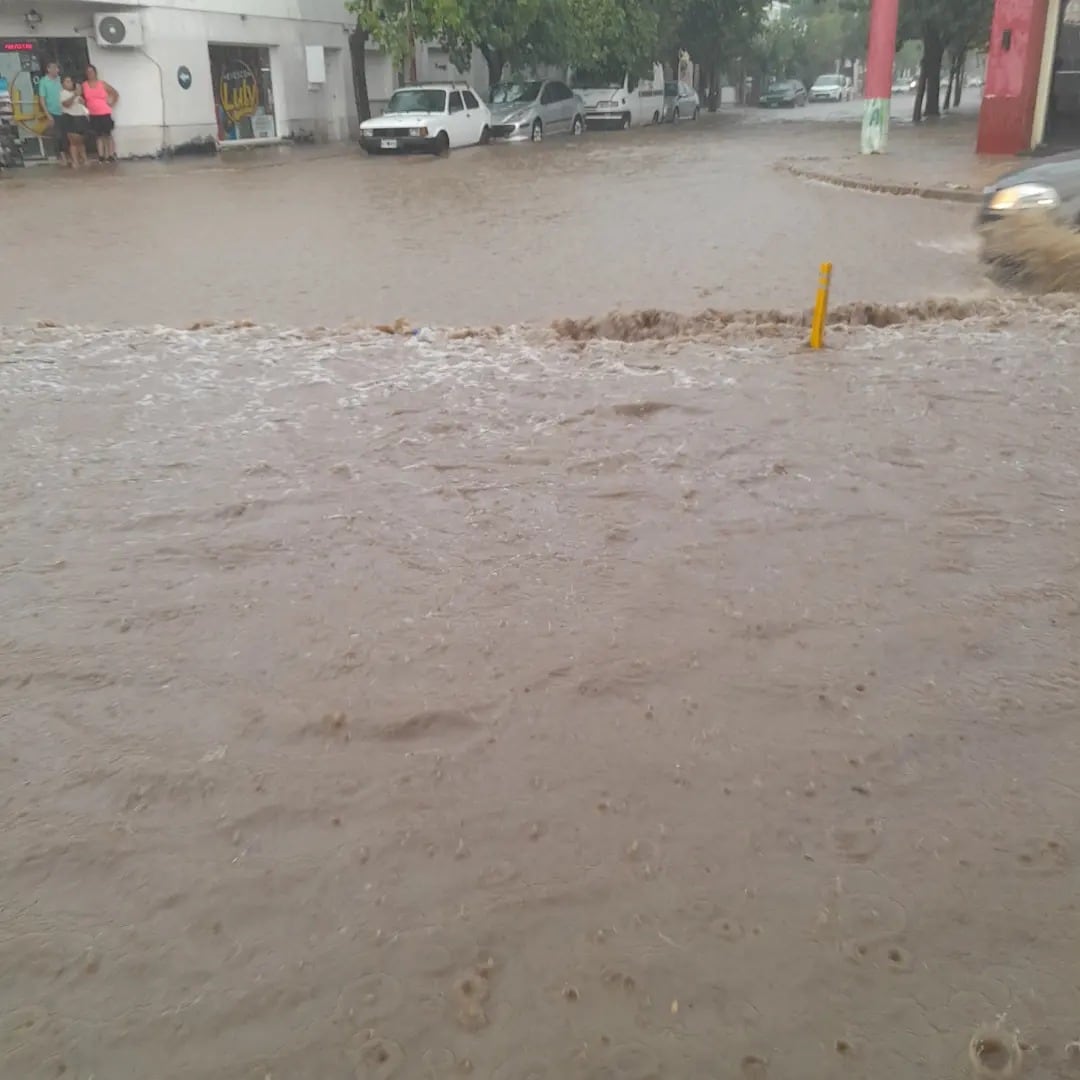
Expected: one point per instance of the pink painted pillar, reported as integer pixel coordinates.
(1007, 115)
(880, 51)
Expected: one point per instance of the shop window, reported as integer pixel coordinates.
(243, 92)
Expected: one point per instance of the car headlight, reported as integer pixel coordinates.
(1025, 197)
(418, 133)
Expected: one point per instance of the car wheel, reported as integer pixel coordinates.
(485, 136)
(442, 144)
(579, 126)
(696, 111)
(537, 132)
(625, 125)
(656, 118)
(676, 117)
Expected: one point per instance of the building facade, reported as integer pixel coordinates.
(237, 72)
(1032, 92)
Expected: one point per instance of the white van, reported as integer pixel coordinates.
(609, 103)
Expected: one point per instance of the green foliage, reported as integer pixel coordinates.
(812, 38)
(600, 35)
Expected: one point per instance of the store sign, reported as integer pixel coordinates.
(238, 91)
(18, 46)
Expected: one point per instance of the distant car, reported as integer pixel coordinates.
(831, 88)
(681, 102)
(1050, 187)
(900, 88)
(430, 118)
(784, 95)
(534, 110)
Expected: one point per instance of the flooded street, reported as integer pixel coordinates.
(506, 705)
(672, 217)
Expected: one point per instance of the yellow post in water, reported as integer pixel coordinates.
(821, 307)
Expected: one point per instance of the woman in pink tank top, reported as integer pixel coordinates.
(100, 98)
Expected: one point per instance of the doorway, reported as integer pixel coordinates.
(22, 64)
(337, 119)
(1063, 113)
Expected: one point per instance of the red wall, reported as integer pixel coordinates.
(1012, 77)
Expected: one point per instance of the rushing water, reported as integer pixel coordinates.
(512, 706)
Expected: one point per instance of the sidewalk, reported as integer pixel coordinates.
(935, 160)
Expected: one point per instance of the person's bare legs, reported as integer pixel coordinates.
(76, 151)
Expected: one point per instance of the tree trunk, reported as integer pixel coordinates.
(961, 65)
(933, 55)
(357, 40)
(920, 95)
(496, 61)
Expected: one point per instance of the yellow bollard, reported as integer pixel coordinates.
(821, 307)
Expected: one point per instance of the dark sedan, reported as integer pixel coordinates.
(1051, 186)
(784, 95)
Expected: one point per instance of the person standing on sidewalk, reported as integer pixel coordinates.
(49, 90)
(100, 98)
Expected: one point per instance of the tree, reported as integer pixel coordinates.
(716, 32)
(358, 38)
(945, 27)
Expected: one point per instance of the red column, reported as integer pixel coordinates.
(881, 48)
(1012, 76)
(877, 90)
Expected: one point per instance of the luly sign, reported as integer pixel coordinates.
(238, 90)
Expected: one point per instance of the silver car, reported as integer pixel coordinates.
(533, 110)
(681, 102)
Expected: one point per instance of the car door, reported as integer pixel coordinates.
(548, 109)
(457, 123)
(567, 106)
(475, 116)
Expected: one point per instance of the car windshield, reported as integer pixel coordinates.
(781, 88)
(414, 100)
(597, 80)
(829, 80)
(514, 93)
(671, 89)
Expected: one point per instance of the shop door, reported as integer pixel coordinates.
(1063, 116)
(22, 63)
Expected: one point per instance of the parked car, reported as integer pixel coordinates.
(681, 102)
(1050, 187)
(784, 95)
(614, 102)
(428, 118)
(533, 110)
(831, 88)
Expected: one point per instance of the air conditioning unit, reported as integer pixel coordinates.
(118, 30)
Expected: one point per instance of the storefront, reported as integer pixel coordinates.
(22, 63)
(191, 74)
(243, 85)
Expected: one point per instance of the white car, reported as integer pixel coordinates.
(831, 88)
(430, 118)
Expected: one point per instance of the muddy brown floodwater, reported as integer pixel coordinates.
(673, 217)
(512, 707)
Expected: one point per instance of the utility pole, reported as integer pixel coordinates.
(877, 92)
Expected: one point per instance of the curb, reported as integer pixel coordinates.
(942, 194)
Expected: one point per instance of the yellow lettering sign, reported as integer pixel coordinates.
(238, 92)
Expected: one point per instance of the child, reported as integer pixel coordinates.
(76, 121)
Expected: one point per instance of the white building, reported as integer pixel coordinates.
(191, 71)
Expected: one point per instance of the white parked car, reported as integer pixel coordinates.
(614, 101)
(430, 118)
(831, 88)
